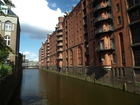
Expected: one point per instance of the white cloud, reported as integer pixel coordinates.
(53, 4)
(26, 53)
(35, 15)
(30, 55)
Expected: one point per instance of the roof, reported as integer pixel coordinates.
(10, 12)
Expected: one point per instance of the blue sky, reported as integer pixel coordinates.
(37, 19)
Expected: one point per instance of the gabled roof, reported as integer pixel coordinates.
(10, 12)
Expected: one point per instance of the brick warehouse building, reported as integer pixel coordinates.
(99, 38)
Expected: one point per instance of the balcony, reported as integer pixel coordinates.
(48, 52)
(133, 3)
(48, 49)
(59, 39)
(48, 45)
(101, 18)
(59, 50)
(47, 60)
(133, 7)
(59, 29)
(59, 34)
(106, 68)
(104, 30)
(47, 42)
(134, 17)
(59, 45)
(103, 48)
(59, 58)
(99, 6)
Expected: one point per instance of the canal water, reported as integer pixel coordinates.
(45, 88)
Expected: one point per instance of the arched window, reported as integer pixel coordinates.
(122, 47)
(8, 26)
(80, 61)
(71, 58)
(118, 7)
(7, 40)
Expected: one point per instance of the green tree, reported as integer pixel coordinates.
(4, 50)
(9, 2)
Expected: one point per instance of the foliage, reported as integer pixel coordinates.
(5, 70)
(8, 2)
(4, 50)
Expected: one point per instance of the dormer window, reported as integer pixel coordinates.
(4, 9)
(8, 26)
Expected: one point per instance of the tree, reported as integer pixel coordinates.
(4, 50)
(9, 2)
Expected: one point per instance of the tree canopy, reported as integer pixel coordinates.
(4, 50)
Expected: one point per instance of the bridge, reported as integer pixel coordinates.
(30, 65)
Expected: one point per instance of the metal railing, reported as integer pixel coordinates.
(100, 18)
(99, 6)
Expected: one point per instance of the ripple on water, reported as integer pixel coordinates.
(33, 100)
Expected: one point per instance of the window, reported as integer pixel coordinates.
(114, 58)
(79, 51)
(119, 20)
(123, 58)
(112, 45)
(118, 7)
(8, 26)
(71, 58)
(7, 40)
(137, 56)
(102, 44)
(121, 41)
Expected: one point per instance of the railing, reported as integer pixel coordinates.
(48, 45)
(59, 50)
(59, 58)
(133, 3)
(59, 44)
(102, 30)
(48, 49)
(99, 6)
(134, 16)
(59, 39)
(103, 48)
(59, 29)
(100, 18)
(48, 52)
(60, 34)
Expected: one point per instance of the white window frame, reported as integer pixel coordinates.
(8, 26)
(7, 39)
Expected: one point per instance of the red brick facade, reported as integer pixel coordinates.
(99, 38)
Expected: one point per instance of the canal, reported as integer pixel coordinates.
(44, 88)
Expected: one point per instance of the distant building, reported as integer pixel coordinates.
(10, 30)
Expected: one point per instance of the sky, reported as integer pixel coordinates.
(37, 19)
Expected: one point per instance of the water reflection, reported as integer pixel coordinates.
(44, 88)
